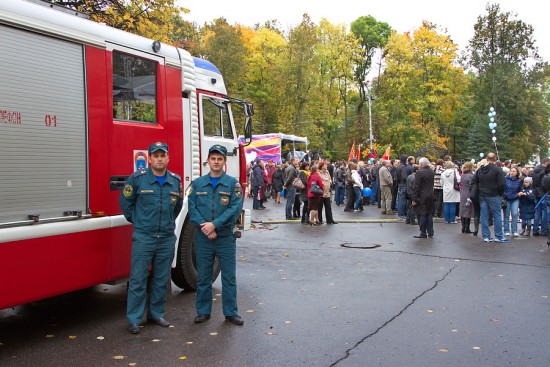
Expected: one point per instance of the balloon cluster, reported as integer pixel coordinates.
(492, 125)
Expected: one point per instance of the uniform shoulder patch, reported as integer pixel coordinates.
(127, 191)
(238, 189)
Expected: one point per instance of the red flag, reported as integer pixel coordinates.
(358, 157)
(372, 153)
(386, 154)
(352, 152)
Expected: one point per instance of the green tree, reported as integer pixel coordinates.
(373, 36)
(420, 90)
(148, 18)
(222, 44)
(510, 78)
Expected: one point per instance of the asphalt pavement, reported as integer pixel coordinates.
(363, 292)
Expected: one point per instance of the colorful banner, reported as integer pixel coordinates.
(264, 147)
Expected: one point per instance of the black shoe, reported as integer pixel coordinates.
(260, 208)
(296, 217)
(321, 222)
(133, 329)
(199, 319)
(160, 322)
(430, 236)
(536, 234)
(289, 218)
(235, 320)
(333, 222)
(420, 236)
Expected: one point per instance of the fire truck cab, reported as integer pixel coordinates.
(80, 102)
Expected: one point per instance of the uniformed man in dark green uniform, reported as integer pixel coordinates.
(151, 200)
(215, 203)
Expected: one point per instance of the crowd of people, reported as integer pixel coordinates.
(491, 192)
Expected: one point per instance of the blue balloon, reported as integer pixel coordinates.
(367, 192)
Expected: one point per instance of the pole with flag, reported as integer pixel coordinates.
(352, 152)
(358, 153)
(386, 154)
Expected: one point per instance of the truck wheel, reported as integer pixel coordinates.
(184, 275)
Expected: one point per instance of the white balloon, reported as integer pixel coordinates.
(491, 109)
(473, 161)
(481, 155)
(494, 138)
(492, 119)
(495, 124)
(493, 131)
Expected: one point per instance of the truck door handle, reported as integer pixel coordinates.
(117, 182)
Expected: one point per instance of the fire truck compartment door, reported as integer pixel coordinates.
(42, 127)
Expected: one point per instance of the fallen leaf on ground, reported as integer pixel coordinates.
(50, 336)
(72, 336)
(288, 322)
(119, 357)
(242, 258)
(132, 364)
(429, 310)
(100, 338)
(454, 330)
(285, 254)
(443, 350)
(155, 340)
(249, 311)
(476, 348)
(182, 357)
(189, 343)
(213, 334)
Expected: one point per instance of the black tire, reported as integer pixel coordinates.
(184, 275)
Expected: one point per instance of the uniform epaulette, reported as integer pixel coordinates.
(175, 175)
(140, 172)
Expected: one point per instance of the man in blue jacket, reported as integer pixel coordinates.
(215, 203)
(151, 200)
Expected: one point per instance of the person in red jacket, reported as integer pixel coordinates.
(314, 200)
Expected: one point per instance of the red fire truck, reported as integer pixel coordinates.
(80, 102)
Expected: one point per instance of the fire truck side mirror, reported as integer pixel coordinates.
(248, 130)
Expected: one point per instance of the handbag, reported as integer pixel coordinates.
(297, 183)
(456, 185)
(315, 189)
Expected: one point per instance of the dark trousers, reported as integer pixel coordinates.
(394, 197)
(438, 198)
(350, 198)
(305, 212)
(411, 216)
(297, 205)
(328, 210)
(426, 223)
